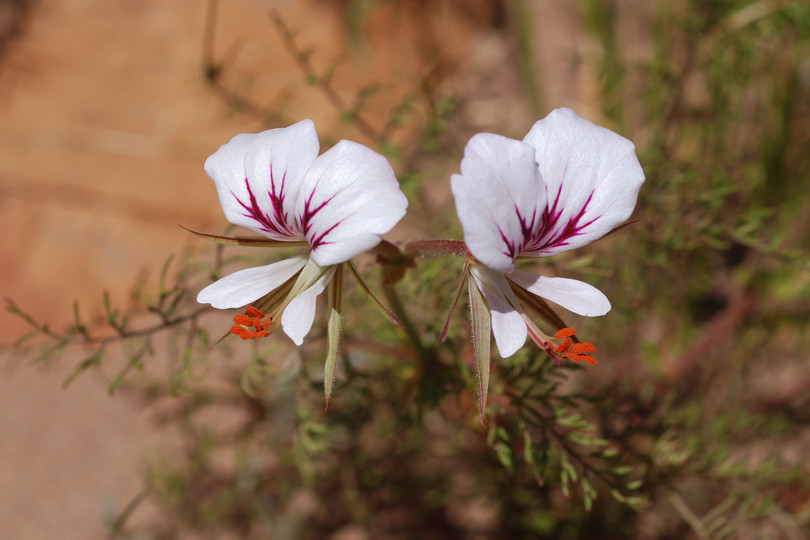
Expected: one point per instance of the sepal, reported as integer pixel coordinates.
(481, 332)
(249, 241)
(333, 332)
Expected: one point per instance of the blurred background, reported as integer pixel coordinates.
(109, 109)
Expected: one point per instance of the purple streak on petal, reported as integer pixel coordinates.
(514, 249)
(309, 213)
(275, 223)
(510, 250)
(552, 233)
(277, 201)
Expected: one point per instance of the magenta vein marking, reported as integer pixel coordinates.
(275, 223)
(309, 214)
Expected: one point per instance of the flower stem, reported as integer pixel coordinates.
(436, 246)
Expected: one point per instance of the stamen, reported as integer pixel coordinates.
(578, 357)
(242, 319)
(253, 312)
(564, 346)
(249, 325)
(583, 348)
(564, 333)
(578, 352)
(241, 331)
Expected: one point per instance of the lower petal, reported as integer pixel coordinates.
(573, 295)
(299, 314)
(245, 286)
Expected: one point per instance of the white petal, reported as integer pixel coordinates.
(245, 286)
(592, 177)
(499, 198)
(349, 198)
(508, 325)
(258, 177)
(299, 314)
(573, 295)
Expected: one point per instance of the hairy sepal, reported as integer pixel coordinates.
(249, 241)
(333, 333)
(481, 331)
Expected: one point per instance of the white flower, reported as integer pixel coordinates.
(338, 204)
(566, 184)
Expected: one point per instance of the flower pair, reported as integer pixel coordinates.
(566, 184)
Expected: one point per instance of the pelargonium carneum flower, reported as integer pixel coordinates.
(337, 204)
(566, 184)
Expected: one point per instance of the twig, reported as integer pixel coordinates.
(302, 59)
(87, 339)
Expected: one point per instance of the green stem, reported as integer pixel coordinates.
(394, 301)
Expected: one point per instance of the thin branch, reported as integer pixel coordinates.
(87, 339)
(302, 59)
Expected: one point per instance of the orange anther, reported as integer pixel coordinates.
(253, 312)
(564, 333)
(242, 319)
(250, 326)
(583, 348)
(564, 346)
(578, 357)
(241, 331)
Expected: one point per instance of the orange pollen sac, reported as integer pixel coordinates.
(566, 348)
(564, 333)
(243, 319)
(249, 325)
(253, 312)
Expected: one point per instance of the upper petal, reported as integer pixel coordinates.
(299, 314)
(245, 286)
(258, 177)
(508, 325)
(349, 198)
(592, 178)
(499, 198)
(573, 295)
